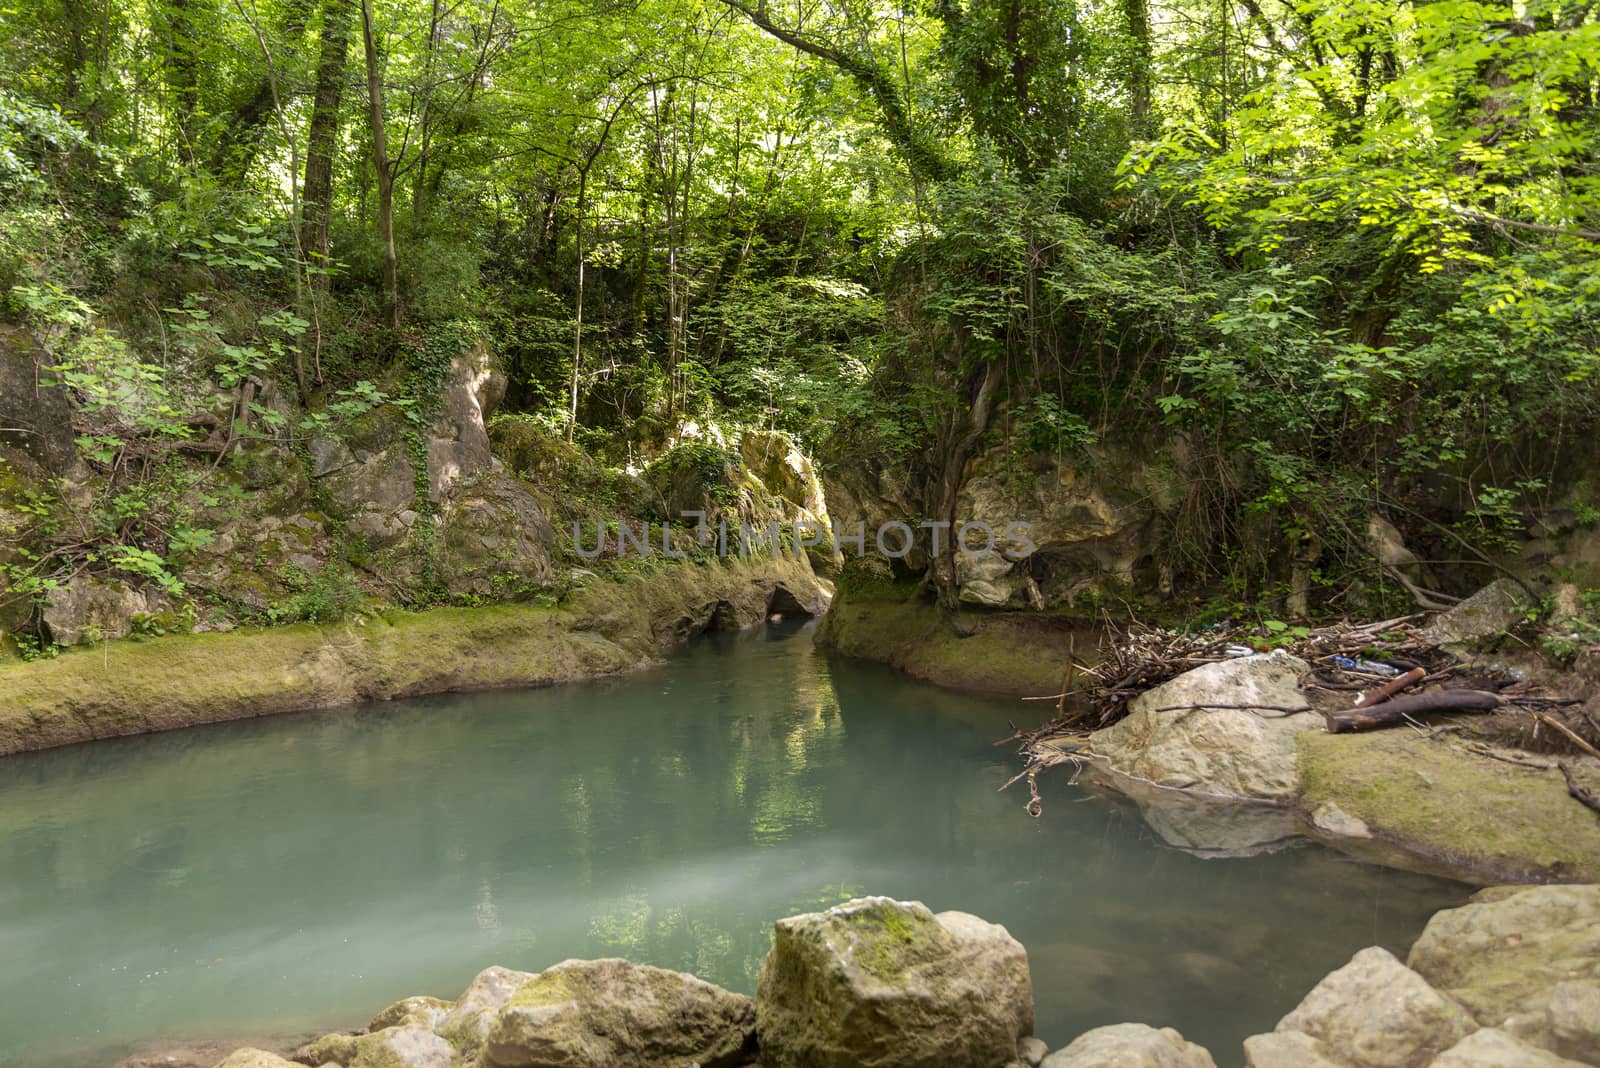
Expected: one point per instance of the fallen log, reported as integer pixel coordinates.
(1391, 713)
(1389, 689)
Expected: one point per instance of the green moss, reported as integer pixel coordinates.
(890, 940)
(1460, 811)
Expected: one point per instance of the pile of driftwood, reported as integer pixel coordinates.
(1141, 658)
(1362, 677)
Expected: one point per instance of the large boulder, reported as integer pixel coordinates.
(1130, 1045)
(614, 1014)
(1485, 615)
(877, 983)
(1523, 959)
(89, 609)
(1092, 517)
(1372, 1013)
(1246, 753)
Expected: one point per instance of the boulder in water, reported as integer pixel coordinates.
(887, 983)
(1199, 746)
(1372, 1013)
(614, 1014)
(468, 1023)
(246, 1057)
(1523, 959)
(1493, 1048)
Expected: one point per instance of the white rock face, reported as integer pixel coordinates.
(889, 984)
(1372, 1013)
(1130, 1045)
(1224, 752)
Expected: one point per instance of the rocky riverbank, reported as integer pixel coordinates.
(1510, 980)
(608, 624)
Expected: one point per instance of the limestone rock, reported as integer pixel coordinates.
(1092, 520)
(1523, 958)
(1492, 1048)
(87, 610)
(1031, 1051)
(419, 1011)
(468, 1023)
(1239, 753)
(614, 1014)
(458, 445)
(1285, 1049)
(1487, 614)
(1334, 821)
(1130, 1045)
(402, 1047)
(886, 983)
(247, 1057)
(494, 538)
(1377, 1013)
(1574, 1015)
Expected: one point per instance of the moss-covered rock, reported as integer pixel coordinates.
(1526, 960)
(1023, 653)
(614, 1014)
(417, 1011)
(887, 983)
(1433, 803)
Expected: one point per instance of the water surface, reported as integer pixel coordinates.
(304, 871)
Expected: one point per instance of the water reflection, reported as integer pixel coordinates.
(302, 872)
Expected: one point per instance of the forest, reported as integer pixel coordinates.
(1339, 254)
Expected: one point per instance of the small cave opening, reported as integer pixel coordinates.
(784, 605)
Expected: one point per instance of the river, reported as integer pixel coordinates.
(304, 871)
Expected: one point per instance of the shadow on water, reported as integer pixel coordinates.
(301, 872)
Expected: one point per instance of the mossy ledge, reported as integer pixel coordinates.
(1433, 806)
(1011, 653)
(610, 624)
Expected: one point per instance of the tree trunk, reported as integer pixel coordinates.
(323, 141)
(385, 171)
(577, 336)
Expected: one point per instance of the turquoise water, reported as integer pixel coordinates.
(302, 872)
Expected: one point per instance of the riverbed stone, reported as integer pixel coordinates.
(1130, 1045)
(1526, 959)
(1223, 752)
(616, 1014)
(888, 983)
(1493, 1048)
(1031, 1051)
(1285, 1049)
(1377, 1013)
(401, 1047)
(248, 1057)
(413, 1011)
(469, 1022)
